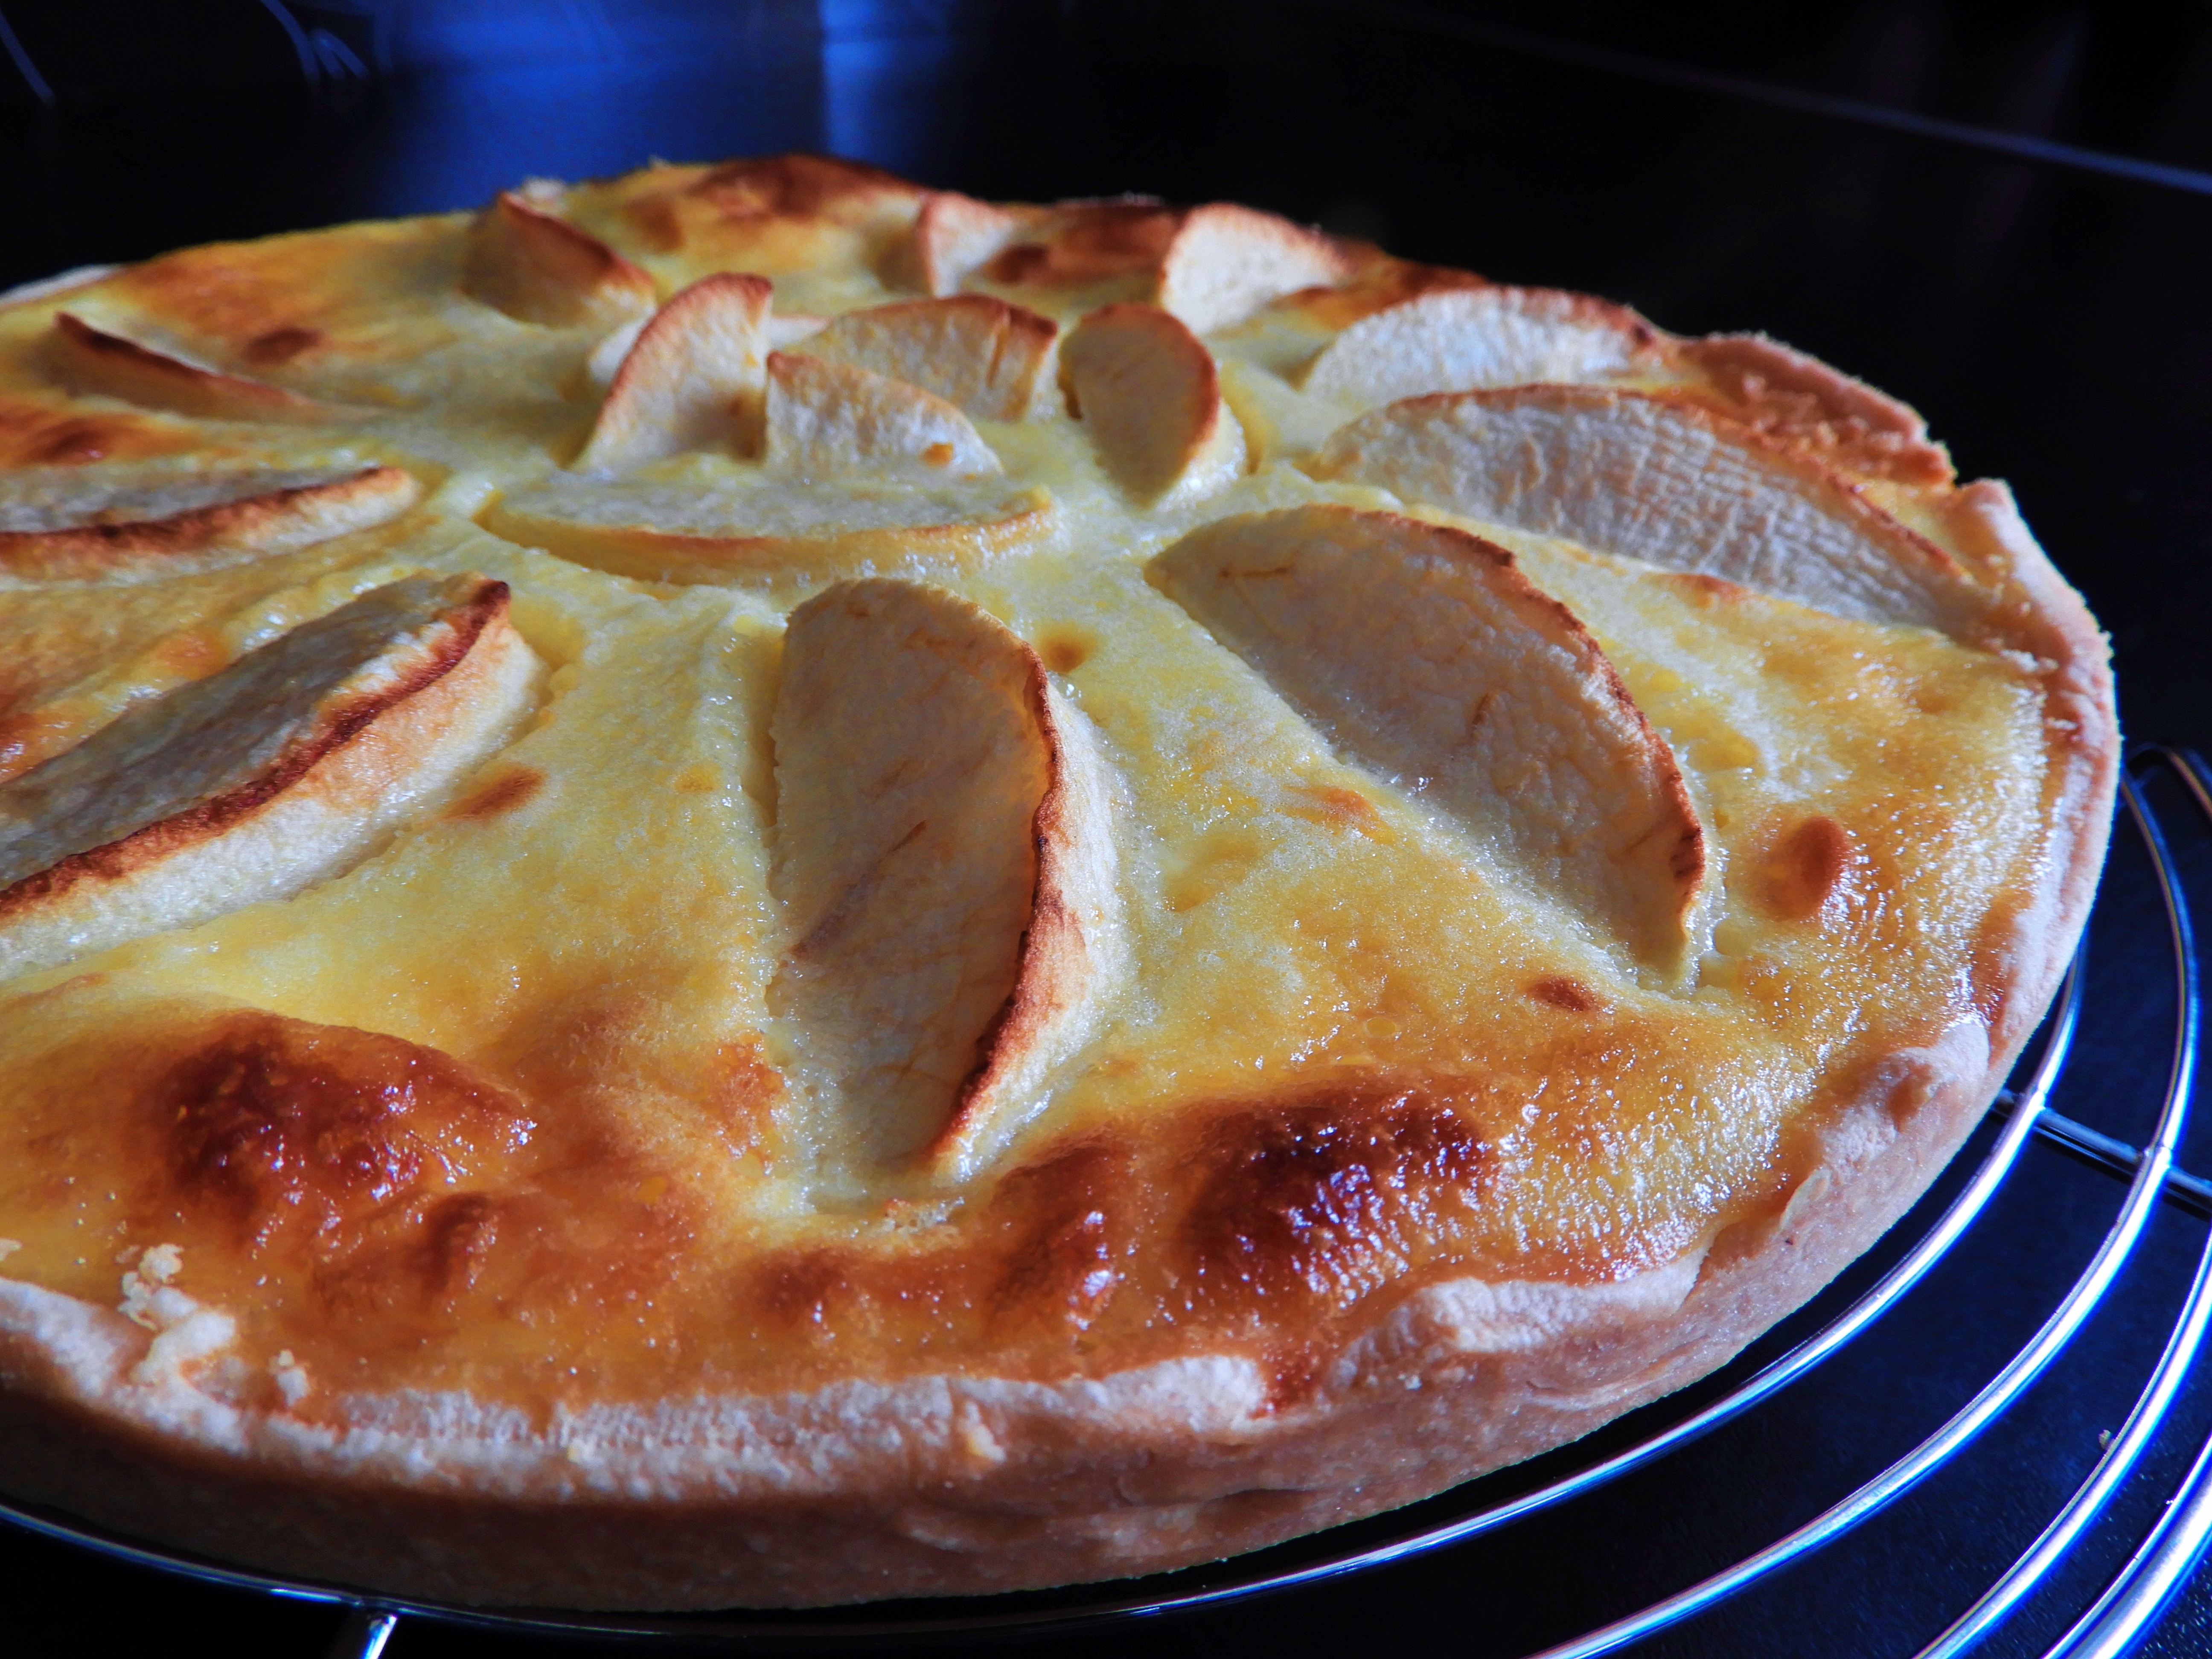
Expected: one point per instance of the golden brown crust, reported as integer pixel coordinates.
(992, 1485)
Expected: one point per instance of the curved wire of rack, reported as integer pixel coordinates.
(2161, 1562)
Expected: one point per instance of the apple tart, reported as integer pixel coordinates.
(748, 885)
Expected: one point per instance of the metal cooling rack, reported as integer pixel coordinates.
(2131, 1601)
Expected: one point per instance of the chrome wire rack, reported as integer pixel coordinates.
(2160, 1562)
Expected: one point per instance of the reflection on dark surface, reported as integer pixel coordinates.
(2048, 316)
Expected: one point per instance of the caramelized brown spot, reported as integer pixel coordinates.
(419, 1260)
(1337, 808)
(1704, 587)
(33, 436)
(803, 1289)
(194, 653)
(502, 793)
(73, 443)
(743, 1090)
(281, 345)
(797, 184)
(27, 739)
(1065, 650)
(1102, 239)
(1069, 1236)
(458, 1235)
(1330, 1201)
(1805, 867)
(285, 1127)
(1562, 990)
(656, 223)
(1024, 262)
(237, 292)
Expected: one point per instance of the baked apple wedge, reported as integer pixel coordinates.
(693, 379)
(1458, 339)
(538, 268)
(1659, 479)
(1227, 261)
(76, 523)
(986, 358)
(945, 869)
(1426, 656)
(955, 236)
(831, 417)
(283, 769)
(1211, 266)
(1151, 396)
(773, 530)
(91, 359)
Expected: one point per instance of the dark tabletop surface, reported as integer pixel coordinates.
(2001, 213)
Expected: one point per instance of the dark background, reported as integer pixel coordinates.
(2002, 213)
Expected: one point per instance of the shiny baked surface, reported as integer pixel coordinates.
(513, 1102)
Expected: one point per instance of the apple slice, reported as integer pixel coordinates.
(1657, 478)
(1226, 262)
(90, 359)
(1426, 656)
(988, 359)
(1458, 339)
(284, 770)
(772, 529)
(945, 867)
(693, 379)
(956, 235)
(538, 268)
(1150, 397)
(77, 524)
(1212, 266)
(829, 417)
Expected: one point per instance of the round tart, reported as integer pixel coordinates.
(748, 885)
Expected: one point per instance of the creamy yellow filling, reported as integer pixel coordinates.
(598, 937)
